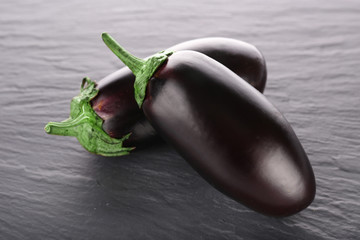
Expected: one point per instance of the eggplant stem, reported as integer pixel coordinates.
(132, 62)
(142, 69)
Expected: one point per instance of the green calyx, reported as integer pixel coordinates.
(86, 125)
(143, 69)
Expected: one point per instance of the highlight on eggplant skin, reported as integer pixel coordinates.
(116, 104)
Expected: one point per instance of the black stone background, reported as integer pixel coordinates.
(51, 188)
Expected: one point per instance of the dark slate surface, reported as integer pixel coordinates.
(51, 188)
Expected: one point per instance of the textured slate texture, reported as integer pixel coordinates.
(50, 188)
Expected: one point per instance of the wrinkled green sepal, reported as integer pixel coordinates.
(86, 125)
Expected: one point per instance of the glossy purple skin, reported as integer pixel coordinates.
(230, 133)
(116, 105)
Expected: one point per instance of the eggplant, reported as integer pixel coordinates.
(116, 105)
(226, 129)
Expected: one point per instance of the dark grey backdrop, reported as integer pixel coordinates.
(51, 188)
